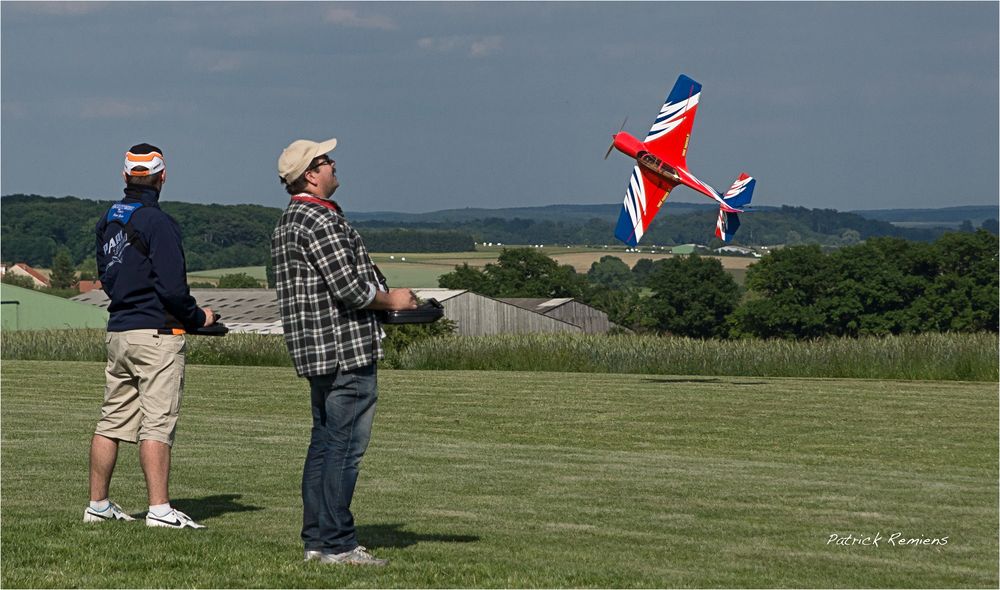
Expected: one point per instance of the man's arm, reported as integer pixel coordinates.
(170, 276)
(330, 251)
(101, 266)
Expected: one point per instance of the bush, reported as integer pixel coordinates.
(239, 280)
(22, 281)
(883, 286)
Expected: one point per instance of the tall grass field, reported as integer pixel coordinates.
(525, 479)
(962, 357)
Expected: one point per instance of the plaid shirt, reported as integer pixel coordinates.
(324, 278)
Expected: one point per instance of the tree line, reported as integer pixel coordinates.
(880, 287)
(766, 227)
(33, 228)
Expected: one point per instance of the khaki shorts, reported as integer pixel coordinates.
(144, 385)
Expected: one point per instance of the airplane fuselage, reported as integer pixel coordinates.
(658, 167)
(635, 149)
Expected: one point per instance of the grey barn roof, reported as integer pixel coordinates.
(256, 310)
(537, 305)
(242, 310)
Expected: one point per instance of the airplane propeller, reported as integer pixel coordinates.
(612, 146)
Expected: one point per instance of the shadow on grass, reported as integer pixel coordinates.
(392, 535)
(705, 380)
(209, 506)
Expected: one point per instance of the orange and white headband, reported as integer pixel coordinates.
(152, 162)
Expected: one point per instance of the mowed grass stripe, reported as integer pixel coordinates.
(517, 479)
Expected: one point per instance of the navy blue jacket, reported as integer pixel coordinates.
(146, 291)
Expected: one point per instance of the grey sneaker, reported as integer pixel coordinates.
(359, 556)
(112, 512)
(312, 554)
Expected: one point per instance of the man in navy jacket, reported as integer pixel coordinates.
(142, 270)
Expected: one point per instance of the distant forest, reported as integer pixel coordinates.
(33, 228)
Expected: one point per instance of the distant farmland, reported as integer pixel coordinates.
(421, 269)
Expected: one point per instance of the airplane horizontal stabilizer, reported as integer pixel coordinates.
(726, 226)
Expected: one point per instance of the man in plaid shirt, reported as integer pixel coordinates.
(328, 292)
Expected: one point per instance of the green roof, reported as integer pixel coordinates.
(39, 311)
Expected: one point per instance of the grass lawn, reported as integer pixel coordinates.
(488, 479)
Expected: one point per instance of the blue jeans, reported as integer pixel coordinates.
(343, 406)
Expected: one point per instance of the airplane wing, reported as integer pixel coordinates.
(644, 196)
(669, 135)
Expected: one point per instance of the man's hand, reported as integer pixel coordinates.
(209, 316)
(394, 299)
(402, 299)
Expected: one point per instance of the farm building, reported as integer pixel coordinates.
(740, 250)
(685, 249)
(256, 310)
(567, 309)
(23, 270)
(477, 315)
(27, 309)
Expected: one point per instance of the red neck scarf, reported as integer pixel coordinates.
(307, 198)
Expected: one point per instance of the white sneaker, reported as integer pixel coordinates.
(112, 512)
(175, 519)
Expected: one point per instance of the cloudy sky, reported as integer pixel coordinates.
(438, 105)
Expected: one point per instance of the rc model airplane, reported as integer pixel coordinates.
(661, 164)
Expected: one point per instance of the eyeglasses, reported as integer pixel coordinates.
(332, 163)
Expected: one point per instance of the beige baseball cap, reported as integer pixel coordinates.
(297, 156)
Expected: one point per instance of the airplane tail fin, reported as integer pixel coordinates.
(741, 192)
(738, 196)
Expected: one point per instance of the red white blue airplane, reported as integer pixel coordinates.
(661, 164)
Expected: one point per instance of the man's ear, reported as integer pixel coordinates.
(163, 176)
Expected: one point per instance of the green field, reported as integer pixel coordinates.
(503, 479)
